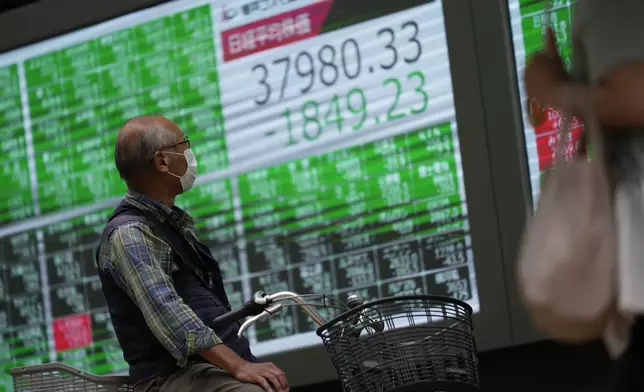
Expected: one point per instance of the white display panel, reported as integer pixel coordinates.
(328, 151)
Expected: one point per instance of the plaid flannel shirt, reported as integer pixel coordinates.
(141, 264)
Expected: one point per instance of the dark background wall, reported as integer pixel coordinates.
(537, 367)
(25, 22)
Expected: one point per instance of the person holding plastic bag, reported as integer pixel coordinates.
(608, 76)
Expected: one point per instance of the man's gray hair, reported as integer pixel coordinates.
(138, 139)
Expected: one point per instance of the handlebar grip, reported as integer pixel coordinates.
(250, 308)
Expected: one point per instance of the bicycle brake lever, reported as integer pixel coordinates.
(267, 313)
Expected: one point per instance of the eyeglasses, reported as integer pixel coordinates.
(186, 141)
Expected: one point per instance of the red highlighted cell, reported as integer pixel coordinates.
(547, 134)
(74, 331)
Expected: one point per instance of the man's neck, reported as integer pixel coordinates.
(166, 201)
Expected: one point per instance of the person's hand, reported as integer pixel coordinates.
(267, 375)
(545, 74)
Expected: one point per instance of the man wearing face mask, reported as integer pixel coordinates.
(162, 286)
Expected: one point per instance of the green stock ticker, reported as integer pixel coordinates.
(350, 111)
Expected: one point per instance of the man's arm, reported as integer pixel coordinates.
(136, 262)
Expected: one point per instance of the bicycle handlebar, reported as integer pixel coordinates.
(255, 306)
(262, 306)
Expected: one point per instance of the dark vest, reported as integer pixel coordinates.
(198, 282)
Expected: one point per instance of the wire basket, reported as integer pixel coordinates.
(58, 377)
(404, 344)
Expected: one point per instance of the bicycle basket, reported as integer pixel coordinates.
(58, 377)
(404, 344)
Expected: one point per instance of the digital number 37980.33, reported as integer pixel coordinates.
(330, 63)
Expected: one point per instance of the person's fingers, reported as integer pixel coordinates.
(281, 377)
(274, 375)
(551, 41)
(267, 374)
(278, 373)
(553, 50)
(262, 382)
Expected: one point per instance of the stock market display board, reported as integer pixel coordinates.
(528, 20)
(328, 151)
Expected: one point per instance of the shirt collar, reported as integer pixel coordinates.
(161, 211)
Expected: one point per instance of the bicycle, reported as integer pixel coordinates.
(396, 344)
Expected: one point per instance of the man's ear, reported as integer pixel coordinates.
(161, 162)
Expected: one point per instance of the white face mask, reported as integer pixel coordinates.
(189, 177)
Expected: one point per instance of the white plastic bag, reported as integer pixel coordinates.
(568, 258)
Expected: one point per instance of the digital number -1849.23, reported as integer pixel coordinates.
(316, 117)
